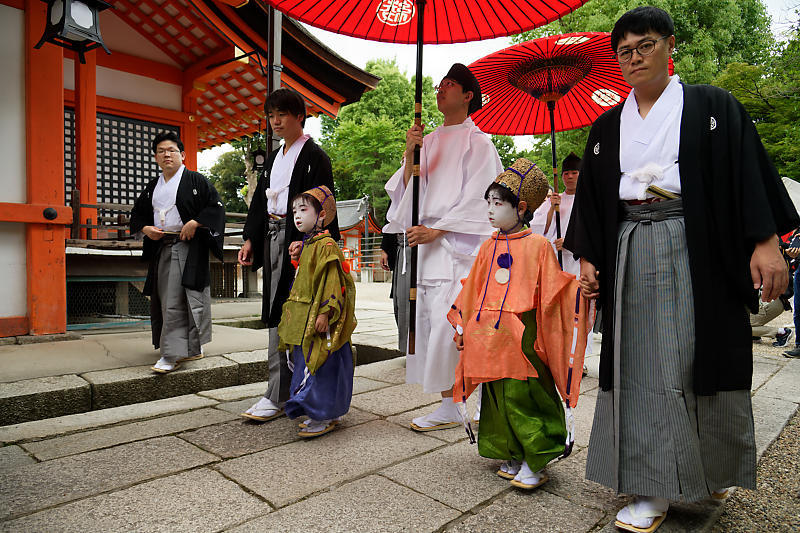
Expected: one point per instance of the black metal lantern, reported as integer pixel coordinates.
(73, 24)
(259, 160)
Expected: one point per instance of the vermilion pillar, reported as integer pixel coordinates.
(189, 131)
(44, 110)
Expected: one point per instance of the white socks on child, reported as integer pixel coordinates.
(528, 476)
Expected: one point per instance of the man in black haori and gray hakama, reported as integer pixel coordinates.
(298, 165)
(675, 221)
(182, 220)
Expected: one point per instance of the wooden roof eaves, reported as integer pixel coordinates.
(212, 12)
(293, 28)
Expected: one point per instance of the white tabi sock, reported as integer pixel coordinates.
(446, 413)
(643, 511)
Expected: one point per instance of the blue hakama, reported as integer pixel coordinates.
(325, 395)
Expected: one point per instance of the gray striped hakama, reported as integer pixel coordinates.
(181, 315)
(651, 435)
(280, 377)
(401, 284)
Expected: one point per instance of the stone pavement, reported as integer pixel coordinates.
(190, 464)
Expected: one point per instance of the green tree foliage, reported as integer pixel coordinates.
(366, 141)
(245, 147)
(771, 95)
(228, 177)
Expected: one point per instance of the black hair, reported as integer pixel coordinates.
(640, 20)
(286, 100)
(310, 199)
(506, 195)
(167, 136)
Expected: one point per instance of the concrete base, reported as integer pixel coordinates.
(34, 399)
(112, 388)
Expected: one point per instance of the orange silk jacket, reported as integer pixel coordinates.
(534, 281)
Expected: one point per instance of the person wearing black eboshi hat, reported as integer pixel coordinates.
(457, 164)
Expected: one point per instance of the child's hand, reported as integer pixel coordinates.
(459, 340)
(321, 324)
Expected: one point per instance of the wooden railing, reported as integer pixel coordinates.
(113, 222)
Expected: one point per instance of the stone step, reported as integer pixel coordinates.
(49, 397)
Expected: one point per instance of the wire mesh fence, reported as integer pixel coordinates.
(106, 302)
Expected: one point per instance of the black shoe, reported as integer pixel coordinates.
(756, 339)
(782, 339)
(794, 354)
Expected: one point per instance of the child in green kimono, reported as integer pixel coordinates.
(318, 319)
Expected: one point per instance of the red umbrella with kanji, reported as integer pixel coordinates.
(425, 22)
(572, 78)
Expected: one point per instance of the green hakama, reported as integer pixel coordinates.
(523, 420)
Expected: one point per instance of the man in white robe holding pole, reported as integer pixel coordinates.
(457, 163)
(544, 218)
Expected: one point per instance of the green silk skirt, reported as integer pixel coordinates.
(523, 420)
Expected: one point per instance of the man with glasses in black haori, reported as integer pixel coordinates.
(182, 220)
(675, 221)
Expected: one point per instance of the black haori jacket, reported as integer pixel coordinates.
(312, 168)
(196, 199)
(732, 199)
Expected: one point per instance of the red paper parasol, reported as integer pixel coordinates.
(445, 21)
(441, 22)
(577, 71)
(573, 79)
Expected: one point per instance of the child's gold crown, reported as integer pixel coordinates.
(526, 181)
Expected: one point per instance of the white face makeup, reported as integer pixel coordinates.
(305, 216)
(501, 214)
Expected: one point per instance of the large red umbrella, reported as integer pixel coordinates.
(572, 78)
(425, 22)
(445, 21)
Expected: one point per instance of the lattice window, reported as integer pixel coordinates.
(125, 161)
(69, 153)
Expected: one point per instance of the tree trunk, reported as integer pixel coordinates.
(252, 180)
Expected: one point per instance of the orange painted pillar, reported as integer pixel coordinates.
(189, 131)
(44, 115)
(86, 136)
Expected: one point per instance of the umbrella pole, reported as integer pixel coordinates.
(412, 296)
(551, 106)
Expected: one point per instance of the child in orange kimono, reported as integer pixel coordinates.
(521, 327)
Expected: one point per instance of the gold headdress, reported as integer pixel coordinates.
(526, 181)
(325, 198)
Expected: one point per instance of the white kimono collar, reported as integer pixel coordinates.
(646, 128)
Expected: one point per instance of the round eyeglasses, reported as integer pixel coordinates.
(644, 48)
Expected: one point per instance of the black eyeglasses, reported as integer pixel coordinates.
(645, 48)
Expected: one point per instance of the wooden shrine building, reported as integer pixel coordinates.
(197, 67)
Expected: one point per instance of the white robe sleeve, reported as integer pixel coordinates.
(466, 221)
(396, 217)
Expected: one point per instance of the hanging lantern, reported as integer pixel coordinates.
(73, 24)
(259, 160)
